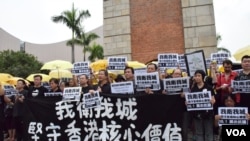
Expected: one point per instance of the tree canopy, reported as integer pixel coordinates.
(73, 20)
(18, 63)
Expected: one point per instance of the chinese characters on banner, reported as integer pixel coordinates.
(81, 68)
(9, 90)
(242, 86)
(198, 101)
(122, 88)
(233, 115)
(176, 85)
(122, 118)
(117, 63)
(53, 94)
(72, 94)
(147, 80)
(219, 57)
(167, 61)
(182, 62)
(91, 100)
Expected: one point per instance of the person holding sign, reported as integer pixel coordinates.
(84, 83)
(177, 73)
(129, 76)
(229, 100)
(244, 98)
(203, 119)
(151, 67)
(104, 84)
(3, 100)
(223, 85)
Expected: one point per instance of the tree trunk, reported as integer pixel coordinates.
(73, 53)
(84, 54)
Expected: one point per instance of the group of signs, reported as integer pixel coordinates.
(190, 62)
(114, 63)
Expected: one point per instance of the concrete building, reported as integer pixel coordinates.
(139, 30)
(46, 52)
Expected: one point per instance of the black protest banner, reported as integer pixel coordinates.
(120, 117)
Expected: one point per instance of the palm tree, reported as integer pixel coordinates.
(72, 19)
(219, 38)
(85, 40)
(96, 52)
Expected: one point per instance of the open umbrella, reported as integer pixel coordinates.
(5, 77)
(60, 73)
(13, 80)
(98, 65)
(57, 64)
(136, 64)
(241, 52)
(102, 64)
(46, 77)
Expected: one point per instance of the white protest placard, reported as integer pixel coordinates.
(81, 68)
(91, 100)
(122, 88)
(198, 101)
(168, 60)
(117, 63)
(49, 94)
(219, 57)
(240, 86)
(175, 85)
(140, 70)
(233, 116)
(208, 62)
(182, 62)
(72, 94)
(147, 80)
(10, 90)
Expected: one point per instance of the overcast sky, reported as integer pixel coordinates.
(30, 20)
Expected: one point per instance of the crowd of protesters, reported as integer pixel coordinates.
(204, 124)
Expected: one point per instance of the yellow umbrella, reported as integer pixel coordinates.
(102, 64)
(241, 52)
(13, 80)
(136, 64)
(98, 65)
(57, 64)
(46, 77)
(5, 77)
(5, 84)
(60, 73)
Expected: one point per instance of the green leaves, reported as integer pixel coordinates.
(18, 63)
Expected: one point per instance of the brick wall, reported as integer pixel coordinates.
(156, 27)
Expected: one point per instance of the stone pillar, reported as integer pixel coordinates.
(116, 28)
(199, 26)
